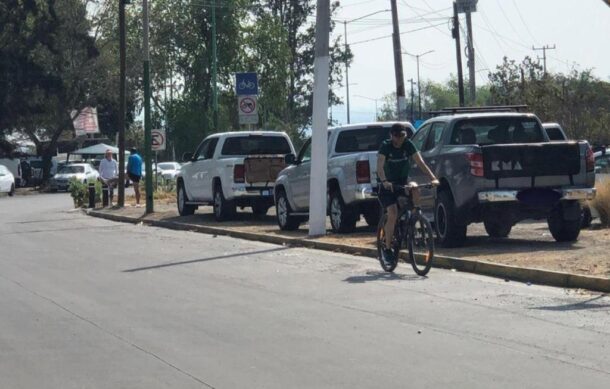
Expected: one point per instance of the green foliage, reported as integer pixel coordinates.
(80, 192)
(578, 100)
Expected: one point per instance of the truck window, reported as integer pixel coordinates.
(305, 152)
(436, 132)
(420, 136)
(554, 133)
(256, 144)
(365, 139)
(497, 130)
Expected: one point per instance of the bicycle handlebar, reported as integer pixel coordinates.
(407, 187)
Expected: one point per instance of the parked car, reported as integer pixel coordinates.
(168, 170)
(554, 132)
(602, 165)
(7, 181)
(82, 172)
(14, 166)
(232, 169)
(500, 168)
(352, 181)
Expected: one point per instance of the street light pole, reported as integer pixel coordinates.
(122, 104)
(418, 81)
(375, 100)
(147, 129)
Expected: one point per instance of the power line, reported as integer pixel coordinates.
(523, 21)
(420, 15)
(390, 35)
(508, 20)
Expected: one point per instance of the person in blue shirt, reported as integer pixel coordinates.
(134, 171)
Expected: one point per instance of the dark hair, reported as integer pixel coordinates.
(397, 128)
(133, 150)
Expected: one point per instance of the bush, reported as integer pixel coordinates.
(80, 192)
(601, 203)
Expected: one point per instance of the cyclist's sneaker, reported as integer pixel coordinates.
(388, 256)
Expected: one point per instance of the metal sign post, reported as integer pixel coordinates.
(246, 88)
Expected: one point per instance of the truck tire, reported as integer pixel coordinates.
(563, 225)
(285, 220)
(223, 209)
(342, 216)
(372, 215)
(12, 190)
(260, 209)
(497, 228)
(181, 197)
(449, 233)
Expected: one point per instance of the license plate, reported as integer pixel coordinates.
(266, 193)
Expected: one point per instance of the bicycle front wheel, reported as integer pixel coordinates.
(420, 243)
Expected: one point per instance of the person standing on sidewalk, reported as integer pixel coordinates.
(109, 173)
(134, 170)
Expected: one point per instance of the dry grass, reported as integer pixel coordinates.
(160, 195)
(602, 202)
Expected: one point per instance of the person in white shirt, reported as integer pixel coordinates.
(109, 173)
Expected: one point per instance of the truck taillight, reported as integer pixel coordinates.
(476, 164)
(590, 160)
(363, 172)
(239, 174)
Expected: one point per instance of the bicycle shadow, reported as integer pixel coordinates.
(372, 276)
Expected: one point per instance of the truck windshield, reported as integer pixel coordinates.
(366, 139)
(72, 169)
(497, 130)
(255, 144)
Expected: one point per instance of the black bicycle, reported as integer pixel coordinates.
(412, 230)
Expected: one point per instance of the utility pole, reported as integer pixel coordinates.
(346, 71)
(413, 102)
(122, 103)
(319, 157)
(458, 52)
(214, 70)
(471, 71)
(418, 80)
(544, 49)
(400, 81)
(147, 129)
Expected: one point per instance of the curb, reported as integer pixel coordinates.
(508, 272)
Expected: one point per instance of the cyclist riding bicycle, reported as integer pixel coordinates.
(393, 162)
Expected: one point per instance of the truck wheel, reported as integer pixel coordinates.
(448, 231)
(564, 222)
(497, 228)
(285, 219)
(183, 208)
(260, 209)
(12, 191)
(342, 217)
(223, 209)
(372, 214)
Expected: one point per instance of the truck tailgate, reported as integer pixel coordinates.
(531, 160)
(263, 169)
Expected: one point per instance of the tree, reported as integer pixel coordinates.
(48, 64)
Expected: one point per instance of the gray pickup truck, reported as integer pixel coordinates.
(499, 168)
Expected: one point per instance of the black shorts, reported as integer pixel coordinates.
(134, 178)
(390, 197)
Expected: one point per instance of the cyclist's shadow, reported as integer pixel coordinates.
(382, 276)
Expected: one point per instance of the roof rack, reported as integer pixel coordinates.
(489, 108)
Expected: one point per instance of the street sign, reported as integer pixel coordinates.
(247, 107)
(464, 6)
(158, 140)
(85, 121)
(246, 84)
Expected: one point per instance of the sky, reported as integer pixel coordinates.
(579, 29)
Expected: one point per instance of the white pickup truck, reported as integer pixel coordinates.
(352, 178)
(232, 169)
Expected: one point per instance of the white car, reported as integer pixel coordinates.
(82, 172)
(168, 170)
(7, 181)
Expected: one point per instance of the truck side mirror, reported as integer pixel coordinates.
(290, 159)
(187, 157)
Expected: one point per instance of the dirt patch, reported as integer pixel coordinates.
(530, 244)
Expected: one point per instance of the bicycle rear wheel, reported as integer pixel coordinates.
(420, 243)
(387, 264)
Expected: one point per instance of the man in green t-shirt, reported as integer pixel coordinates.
(393, 162)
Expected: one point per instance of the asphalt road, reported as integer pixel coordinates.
(88, 303)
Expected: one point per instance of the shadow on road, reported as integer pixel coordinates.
(169, 264)
(583, 305)
(382, 276)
